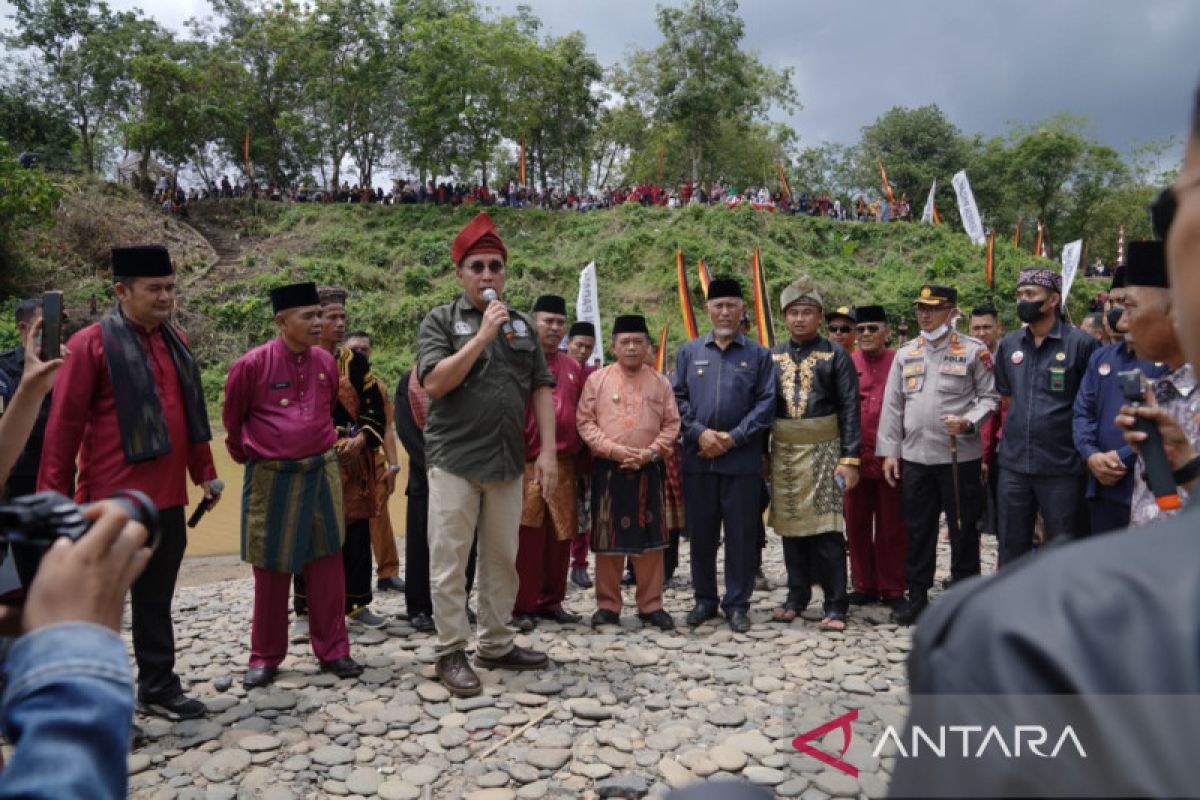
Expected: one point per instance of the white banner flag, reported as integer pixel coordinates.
(1070, 264)
(927, 214)
(587, 307)
(967, 209)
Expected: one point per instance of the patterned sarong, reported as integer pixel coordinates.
(676, 517)
(804, 455)
(292, 512)
(627, 509)
(564, 512)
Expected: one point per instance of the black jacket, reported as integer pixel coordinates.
(824, 382)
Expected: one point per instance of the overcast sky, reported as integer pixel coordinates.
(1129, 65)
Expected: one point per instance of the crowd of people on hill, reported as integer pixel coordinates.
(175, 199)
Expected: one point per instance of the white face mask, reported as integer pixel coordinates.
(937, 333)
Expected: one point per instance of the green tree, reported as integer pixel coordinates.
(915, 145)
(84, 49)
(30, 124)
(27, 199)
(701, 82)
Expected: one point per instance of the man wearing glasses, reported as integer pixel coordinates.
(840, 323)
(939, 391)
(481, 364)
(874, 526)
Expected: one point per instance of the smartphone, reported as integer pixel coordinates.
(52, 317)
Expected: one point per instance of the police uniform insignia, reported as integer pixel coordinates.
(1058, 379)
(1060, 357)
(461, 328)
(1017, 357)
(985, 357)
(912, 383)
(926, 292)
(520, 328)
(1104, 369)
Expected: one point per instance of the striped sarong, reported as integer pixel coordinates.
(292, 512)
(804, 455)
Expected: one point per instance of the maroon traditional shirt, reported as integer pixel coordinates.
(83, 423)
(872, 380)
(568, 385)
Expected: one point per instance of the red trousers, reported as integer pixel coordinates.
(326, 587)
(542, 564)
(579, 550)
(877, 537)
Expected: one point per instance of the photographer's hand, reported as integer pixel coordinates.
(87, 580)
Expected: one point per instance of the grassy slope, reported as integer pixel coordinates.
(395, 259)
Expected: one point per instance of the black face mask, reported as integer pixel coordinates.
(1030, 311)
(1114, 317)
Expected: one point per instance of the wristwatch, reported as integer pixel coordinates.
(654, 456)
(1188, 472)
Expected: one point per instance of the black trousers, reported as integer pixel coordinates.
(1107, 515)
(822, 559)
(150, 602)
(990, 522)
(417, 598)
(712, 499)
(927, 490)
(356, 563)
(1059, 499)
(671, 556)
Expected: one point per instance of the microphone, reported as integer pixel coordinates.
(216, 487)
(490, 295)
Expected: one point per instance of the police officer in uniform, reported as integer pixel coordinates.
(939, 391)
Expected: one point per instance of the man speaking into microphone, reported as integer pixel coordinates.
(481, 364)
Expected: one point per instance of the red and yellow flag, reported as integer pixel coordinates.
(660, 360)
(685, 298)
(246, 151)
(783, 179)
(705, 276)
(989, 269)
(937, 218)
(762, 303)
(521, 163)
(1017, 235)
(1037, 243)
(887, 187)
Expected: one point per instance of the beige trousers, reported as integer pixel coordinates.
(457, 507)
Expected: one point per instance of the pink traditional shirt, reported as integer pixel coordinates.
(638, 411)
(279, 404)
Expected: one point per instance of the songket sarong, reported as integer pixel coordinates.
(804, 455)
(564, 512)
(627, 509)
(673, 467)
(292, 512)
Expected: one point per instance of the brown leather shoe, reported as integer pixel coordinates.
(518, 659)
(457, 676)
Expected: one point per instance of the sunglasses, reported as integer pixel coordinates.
(840, 329)
(869, 328)
(494, 267)
(1162, 209)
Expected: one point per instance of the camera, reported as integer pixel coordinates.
(31, 524)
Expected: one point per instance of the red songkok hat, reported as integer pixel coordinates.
(477, 236)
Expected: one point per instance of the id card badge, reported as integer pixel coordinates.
(1058, 379)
